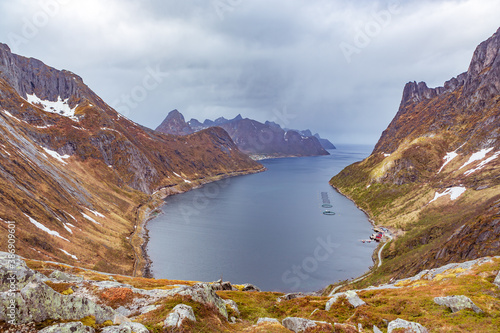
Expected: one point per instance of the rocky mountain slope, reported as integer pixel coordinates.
(252, 137)
(50, 297)
(74, 172)
(434, 175)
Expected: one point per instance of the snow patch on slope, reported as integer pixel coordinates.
(90, 219)
(61, 107)
(69, 254)
(44, 228)
(477, 156)
(483, 163)
(453, 192)
(56, 155)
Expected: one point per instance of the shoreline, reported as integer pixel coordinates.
(377, 250)
(144, 213)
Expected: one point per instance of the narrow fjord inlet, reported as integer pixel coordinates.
(266, 229)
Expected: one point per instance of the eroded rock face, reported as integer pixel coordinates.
(408, 326)
(179, 314)
(457, 303)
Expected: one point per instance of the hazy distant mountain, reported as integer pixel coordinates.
(252, 137)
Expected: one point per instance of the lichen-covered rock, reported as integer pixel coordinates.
(497, 280)
(126, 328)
(351, 297)
(409, 326)
(268, 320)
(457, 303)
(376, 329)
(60, 276)
(232, 304)
(37, 302)
(76, 327)
(180, 313)
(14, 272)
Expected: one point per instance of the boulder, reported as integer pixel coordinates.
(376, 329)
(497, 280)
(75, 327)
(301, 324)
(457, 303)
(408, 326)
(298, 324)
(220, 285)
(250, 287)
(268, 320)
(177, 316)
(290, 296)
(126, 328)
(203, 293)
(351, 297)
(232, 304)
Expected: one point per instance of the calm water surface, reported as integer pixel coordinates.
(266, 229)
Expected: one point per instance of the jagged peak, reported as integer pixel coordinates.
(484, 70)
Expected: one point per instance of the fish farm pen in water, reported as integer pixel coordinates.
(326, 200)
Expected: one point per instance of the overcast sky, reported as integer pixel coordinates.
(335, 67)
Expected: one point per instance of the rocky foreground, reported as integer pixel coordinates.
(47, 297)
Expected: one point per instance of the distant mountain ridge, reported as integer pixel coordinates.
(434, 175)
(75, 175)
(252, 137)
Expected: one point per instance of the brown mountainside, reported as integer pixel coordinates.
(73, 171)
(434, 175)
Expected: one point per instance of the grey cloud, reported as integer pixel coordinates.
(256, 57)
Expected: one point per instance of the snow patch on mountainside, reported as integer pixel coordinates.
(453, 192)
(483, 163)
(44, 228)
(60, 107)
(57, 156)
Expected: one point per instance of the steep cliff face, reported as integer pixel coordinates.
(251, 137)
(434, 173)
(73, 170)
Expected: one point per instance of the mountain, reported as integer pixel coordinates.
(252, 137)
(175, 124)
(77, 178)
(434, 175)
